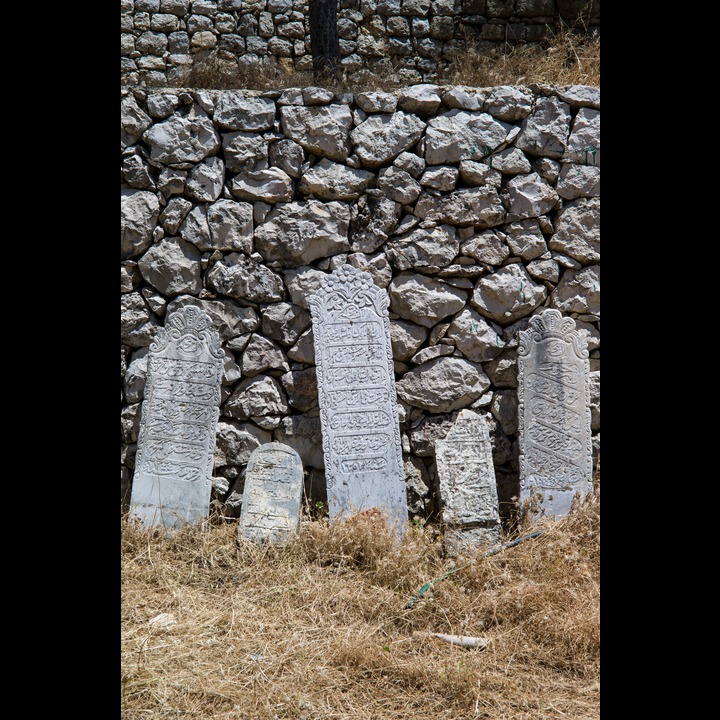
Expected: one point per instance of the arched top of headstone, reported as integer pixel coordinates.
(192, 333)
(468, 425)
(345, 292)
(551, 324)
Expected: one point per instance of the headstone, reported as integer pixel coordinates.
(553, 415)
(176, 442)
(272, 495)
(467, 485)
(356, 392)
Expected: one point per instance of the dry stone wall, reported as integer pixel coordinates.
(473, 208)
(414, 39)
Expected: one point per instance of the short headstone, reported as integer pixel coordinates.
(356, 393)
(467, 485)
(554, 423)
(272, 495)
(176, 442)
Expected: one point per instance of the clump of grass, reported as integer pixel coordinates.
(318, 628)
(569, 57)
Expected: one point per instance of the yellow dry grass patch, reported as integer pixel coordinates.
(318, 629)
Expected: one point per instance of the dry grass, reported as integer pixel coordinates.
(319, 629)
(569, 57)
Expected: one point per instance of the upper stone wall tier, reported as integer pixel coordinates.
(473, 208)
(413, 40)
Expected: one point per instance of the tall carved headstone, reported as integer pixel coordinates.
(467, 484)
(553, 415)
(176, 443)
(272, 495)
(356, 393)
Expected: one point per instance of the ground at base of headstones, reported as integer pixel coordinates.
(318, 628)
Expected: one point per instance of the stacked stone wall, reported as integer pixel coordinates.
(474, 208)
(415, 40)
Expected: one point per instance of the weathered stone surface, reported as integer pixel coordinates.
(172, 265)
(377, 265)
(257, 397)
(284, 322)
(508, 102)
(577, 232)
(303, 433)
(529, 196)
(139, 211)
(507, 294)
(235, 441)
(475, 337)
(176, 443)
(461, 135)
(398, 185)
(297, 233)
(383, 137)
(272, 185)
(423, 98)
(205, 181)
(133, 121)
(577, 181)
(329, 180)
(244, 151)
(240, 277)
(302, 282)
(422, 300)
(406, 338)
(583, 145)
(323, 131)
(545, 131)
(358, 406)
(376, 219)
(183, 139)
(554, 421)
(262, 355)
(138, 326)
(434, 247)
(443, 384)
(287, 155)
(578, 291)
(478, 206)
(250, 114)
(525, 239)
(440, 177)
(272, 494)
(488, 246)
(301, 388)
(467, 485)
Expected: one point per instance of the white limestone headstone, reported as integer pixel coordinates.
(467, 485)
(356, 393)
(176, 442)
(554, 423)
(272, 494)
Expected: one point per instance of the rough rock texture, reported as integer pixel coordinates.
(240, 205)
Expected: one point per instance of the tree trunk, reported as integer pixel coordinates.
(324, 39)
